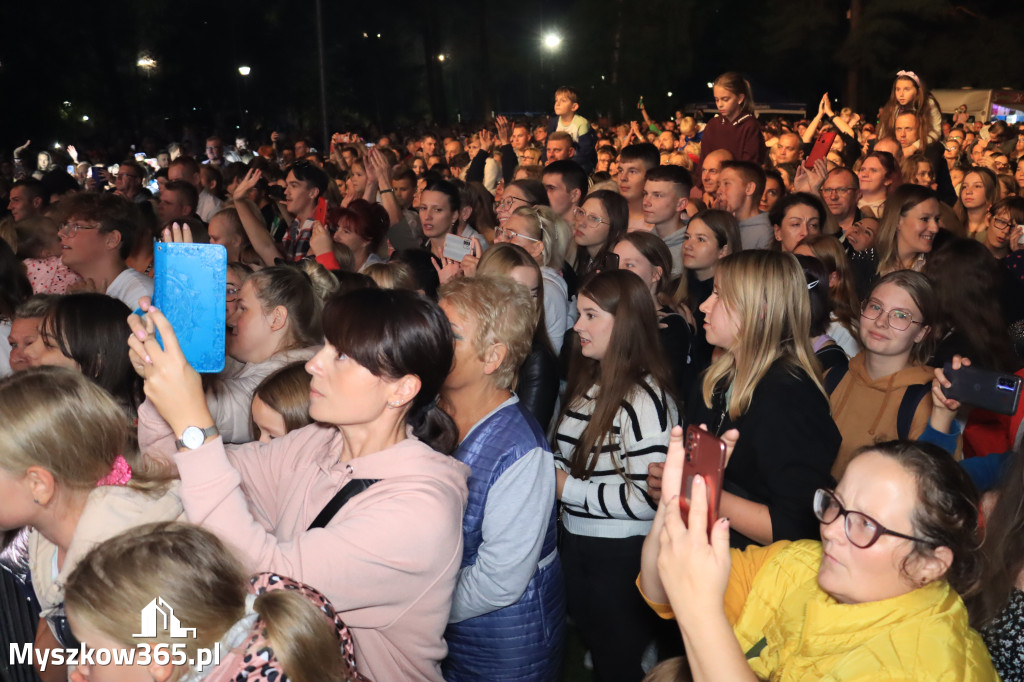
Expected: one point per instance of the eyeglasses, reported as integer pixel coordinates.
(900, 320)
(837, 190)
(506, 203)
(861, 530)
(579, 214)
(71, 229)
(1001, 224)
(232, 294)
(127, 175)
(504, 232)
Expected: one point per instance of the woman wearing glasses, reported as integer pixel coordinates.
(601, 220)
(876, 598)
(544, 235)
(885, 392)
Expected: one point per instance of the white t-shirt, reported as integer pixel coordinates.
(130, 286)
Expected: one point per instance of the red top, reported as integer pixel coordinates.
(743, 138)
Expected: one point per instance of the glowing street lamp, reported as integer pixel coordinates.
(146, 63)
(552, 41)
(244, 70)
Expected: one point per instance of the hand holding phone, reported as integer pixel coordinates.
(320, 215)
(821, 148)
(705, 455)
(456, 248)
(993, 391)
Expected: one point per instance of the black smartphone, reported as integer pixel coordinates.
(609, 262)
(992, 391)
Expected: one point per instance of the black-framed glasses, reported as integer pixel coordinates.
(232, 294)
(507, 202)
(861, 530)
(900, 320)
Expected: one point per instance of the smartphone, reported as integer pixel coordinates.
(992, 391)
(96, 173)
(705, 455)
(321, 211)
(821, 147)
(1020, 234)
(609, 262)
(456, 247)
(70, 169)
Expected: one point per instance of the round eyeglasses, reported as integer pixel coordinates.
(900, 320)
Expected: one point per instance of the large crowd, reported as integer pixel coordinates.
(449, 427)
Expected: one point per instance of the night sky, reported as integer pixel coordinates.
(63, 61)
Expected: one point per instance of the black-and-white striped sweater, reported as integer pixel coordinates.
(608, 505)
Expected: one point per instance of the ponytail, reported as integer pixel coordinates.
(435, 427)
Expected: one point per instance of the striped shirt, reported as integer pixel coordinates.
(609, 504)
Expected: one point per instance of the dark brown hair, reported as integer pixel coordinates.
(413, 338)
(946, 514)
(634, 352)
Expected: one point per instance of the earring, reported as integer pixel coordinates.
(395, 403)
(35, 500)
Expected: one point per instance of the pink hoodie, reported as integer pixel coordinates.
(389, 559)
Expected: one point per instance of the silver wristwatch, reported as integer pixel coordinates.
(193, 436)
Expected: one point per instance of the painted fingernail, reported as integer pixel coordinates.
(149, 360)
(141, 334)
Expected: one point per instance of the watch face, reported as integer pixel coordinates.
(193, 437)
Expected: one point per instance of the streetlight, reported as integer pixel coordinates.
(441, 57)
(552, 41)
(146, 63)
(244, 70)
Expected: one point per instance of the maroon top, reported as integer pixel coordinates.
(743, 138)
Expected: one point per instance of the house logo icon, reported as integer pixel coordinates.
(158, 616)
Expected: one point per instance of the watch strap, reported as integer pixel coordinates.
(207, 433)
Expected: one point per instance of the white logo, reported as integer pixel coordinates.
(159, 608)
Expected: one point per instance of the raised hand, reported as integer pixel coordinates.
(174, 388)
(504, 129)
(178, 234)
(247, 183)
(320, 240)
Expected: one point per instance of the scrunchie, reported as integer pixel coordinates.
(259, 661)
(911, 75)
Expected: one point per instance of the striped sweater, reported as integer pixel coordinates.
(608, 505)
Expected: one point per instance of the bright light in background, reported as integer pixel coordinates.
(146, 63)
(669, 93)
(244, 70)
(440, 57)
(710, 84)
(552, 40)
(84, 119)
(56, 145)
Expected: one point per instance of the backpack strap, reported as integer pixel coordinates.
(347, 492)
(912, 397)
(834, 376)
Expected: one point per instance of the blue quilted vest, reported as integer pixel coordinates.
(522, 641)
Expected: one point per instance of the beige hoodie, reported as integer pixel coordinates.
(866, 409)
(109, 511)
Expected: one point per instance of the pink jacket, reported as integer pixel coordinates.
(389, 559)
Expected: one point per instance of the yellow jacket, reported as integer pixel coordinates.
(792, 630)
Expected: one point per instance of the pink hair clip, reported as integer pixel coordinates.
(120, 473)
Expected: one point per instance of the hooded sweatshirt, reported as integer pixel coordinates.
(866, 409)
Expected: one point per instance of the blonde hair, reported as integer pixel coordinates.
(767, 291)
(57, 419)
(503, 312)
(502, 259)
(394, 275)
(551, 229)
(292, 288)
(901, 201)
(191, 569)
(324, 283)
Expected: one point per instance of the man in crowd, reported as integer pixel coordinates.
(666, 194)
(740, 185)
(566, 184)
(97, 237)
(186, 168)
(634, 162)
